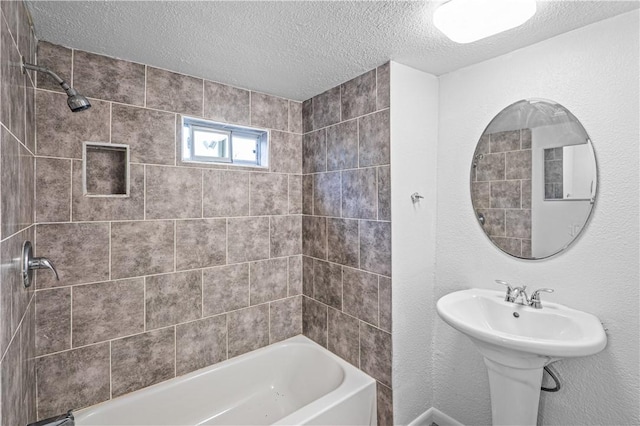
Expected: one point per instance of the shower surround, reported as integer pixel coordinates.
(346, 226)
(202, 262)
(17, 148)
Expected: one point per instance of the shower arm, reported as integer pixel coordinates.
(70, 90)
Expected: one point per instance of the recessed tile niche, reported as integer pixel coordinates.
(105, 169)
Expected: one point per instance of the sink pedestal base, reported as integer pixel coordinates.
(515, 394)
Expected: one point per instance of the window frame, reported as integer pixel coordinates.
(261, 136)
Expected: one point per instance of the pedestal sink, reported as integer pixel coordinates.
(517, 341)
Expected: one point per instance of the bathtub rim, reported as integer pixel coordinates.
(353, 382)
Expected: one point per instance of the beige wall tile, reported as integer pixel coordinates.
(225, 103)
(172, 299)
(268, 280)
(142, 360)
(358, 96)
(383, 80)
(343, 336)
(53, 320)
(77, 378)
(171, 91)
(60, 132)
(285, 318)
(57, 59)
(225, 193)
(201, 243)
(201, 343)
(375, 247)
(247, 239)
(269, 194)
(173, 192)
(53, 190)
(141, 248)
(375, 353)
(269, 111)
(149, 133)
(225, 288)
(248, 329)
(286, 152)
(80, 252)
(286, 235)
(361, 295)
(104, 311)
(295, 117)
(374, 139)
(107, 78)
(314, 321)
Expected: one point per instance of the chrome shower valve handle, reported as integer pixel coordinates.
(30, 263)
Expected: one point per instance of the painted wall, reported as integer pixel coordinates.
(201, 263)
(592, 71)
(17, 147)
(414, 132)
(346, 226)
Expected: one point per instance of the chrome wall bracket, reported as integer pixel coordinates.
(30, 263)
(415, 197)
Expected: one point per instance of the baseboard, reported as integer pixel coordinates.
(433, 415)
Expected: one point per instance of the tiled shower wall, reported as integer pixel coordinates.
(346, 226)
(501, 189)
(199, 264)
(17, 147)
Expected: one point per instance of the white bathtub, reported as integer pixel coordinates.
(294, 382)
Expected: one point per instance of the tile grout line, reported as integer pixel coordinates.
(110, 260)
(71, 191)
(202, 293)
(144, 192)
(144, 304)
(144, 101)
(110, 371)
(155, 329)
(71, 317)
(111, 122)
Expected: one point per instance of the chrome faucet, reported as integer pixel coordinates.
(535, 297)
(515, 293)
(31, 263)
(519, 292)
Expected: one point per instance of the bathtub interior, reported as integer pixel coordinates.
(257, 388)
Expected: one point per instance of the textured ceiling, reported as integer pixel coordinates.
(294, 49)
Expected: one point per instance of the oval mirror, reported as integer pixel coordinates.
(533, 179)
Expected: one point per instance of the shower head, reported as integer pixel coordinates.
(76, 101)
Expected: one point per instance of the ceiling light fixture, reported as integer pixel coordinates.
(465, 21)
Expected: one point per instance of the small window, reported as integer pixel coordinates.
(206, 141)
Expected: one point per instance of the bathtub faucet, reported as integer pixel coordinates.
(59, 420)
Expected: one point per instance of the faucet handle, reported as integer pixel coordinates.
(535, 301)
(508, 297)
(30, 263)
(43, 263)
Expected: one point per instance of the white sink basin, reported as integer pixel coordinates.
(554, 331)
(516, 342)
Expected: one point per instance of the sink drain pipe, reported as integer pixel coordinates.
(555, 380)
